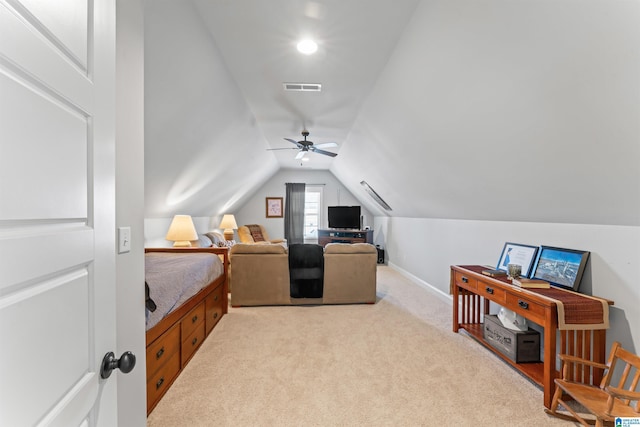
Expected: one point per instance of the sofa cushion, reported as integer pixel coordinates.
(349, 248)
(246, 248)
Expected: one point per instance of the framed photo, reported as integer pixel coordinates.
(560, 267)
(515, 253)
(274, 207)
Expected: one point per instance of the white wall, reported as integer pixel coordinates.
(505, 110)
(334, 193)
(132, 391)
(426, 248)
(254, 210)
(156, 228)
(203, 148)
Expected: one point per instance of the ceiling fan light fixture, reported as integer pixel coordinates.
(307, 46)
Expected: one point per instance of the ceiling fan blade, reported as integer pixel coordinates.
(326, 153)
(300, 155)
(294, 142)
(287, 148)
(326, 145)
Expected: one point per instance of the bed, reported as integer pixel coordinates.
(187, 296)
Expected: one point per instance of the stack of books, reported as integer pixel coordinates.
(523, 282)
(494, 273)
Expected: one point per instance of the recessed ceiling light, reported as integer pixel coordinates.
(305, 159)
(307, 47)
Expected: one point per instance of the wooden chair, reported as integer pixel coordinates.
(607, 401)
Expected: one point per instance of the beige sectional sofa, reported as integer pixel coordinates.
(259, 275)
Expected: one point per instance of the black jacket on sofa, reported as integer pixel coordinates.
(306, 270)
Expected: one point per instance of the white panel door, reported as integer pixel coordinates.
(57, 211)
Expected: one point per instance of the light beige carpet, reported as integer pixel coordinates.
(395, 363)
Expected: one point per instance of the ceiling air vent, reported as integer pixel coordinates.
(375, 195)
(303, 87)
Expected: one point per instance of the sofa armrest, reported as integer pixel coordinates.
(350, 248)
(256, 249)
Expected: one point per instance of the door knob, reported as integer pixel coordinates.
(126, 363)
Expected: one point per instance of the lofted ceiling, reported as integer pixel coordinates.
(457, 109)
(257, 40)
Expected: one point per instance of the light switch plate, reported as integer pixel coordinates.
(124, 239)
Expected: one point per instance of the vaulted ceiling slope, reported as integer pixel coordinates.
(493, 110)
(204, 152)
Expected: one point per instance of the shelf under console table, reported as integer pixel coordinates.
(472, 292)
(344, 236)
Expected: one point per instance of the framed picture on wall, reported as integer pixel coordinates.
(274, 207)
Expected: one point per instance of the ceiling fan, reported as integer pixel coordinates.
(305, 146)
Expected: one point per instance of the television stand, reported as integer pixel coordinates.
(344, 236)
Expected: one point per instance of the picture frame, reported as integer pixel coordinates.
(516, 253)
(274, 207)
(560, 267)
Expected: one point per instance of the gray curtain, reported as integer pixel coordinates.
(294, 213)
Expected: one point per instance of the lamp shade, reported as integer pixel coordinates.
(228, 223)
(182, 231)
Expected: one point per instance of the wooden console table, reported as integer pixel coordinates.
(344, 236)
(472, 291)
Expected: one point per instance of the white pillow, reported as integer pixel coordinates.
(215, 236)
(203, 241)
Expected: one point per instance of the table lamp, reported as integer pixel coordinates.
(228, 223)
(182, 231)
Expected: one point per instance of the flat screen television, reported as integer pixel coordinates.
(347, 217)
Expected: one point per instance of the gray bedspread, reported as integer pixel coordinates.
(173, 278)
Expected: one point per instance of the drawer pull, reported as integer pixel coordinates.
(215, 298)
(194, 319)
(159, 353)
(194, 341)
(523, 304)
(489, 290)
(159, 383)
(465, 280)
(215, 315)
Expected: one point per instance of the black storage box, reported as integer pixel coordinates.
(519, 346)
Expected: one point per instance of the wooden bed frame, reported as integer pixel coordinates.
(173, 341)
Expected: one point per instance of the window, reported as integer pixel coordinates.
(312, 213)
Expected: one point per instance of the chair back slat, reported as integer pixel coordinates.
(611, 363)
(630, 376)
(608, 401)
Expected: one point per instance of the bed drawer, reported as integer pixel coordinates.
(192, 320)
(160, 382)
(191, 343)
(213, 307)
(162, 349)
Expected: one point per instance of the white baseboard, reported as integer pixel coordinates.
(442, 295)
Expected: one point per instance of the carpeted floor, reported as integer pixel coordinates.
(394, 363)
